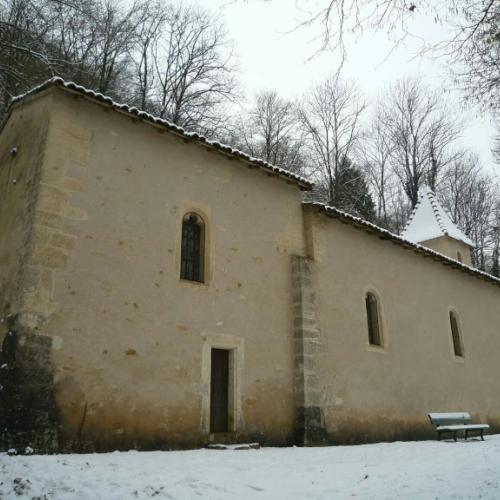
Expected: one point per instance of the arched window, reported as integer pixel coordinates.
(192, 248)
(373, 317)
(459, 257)
(458, 347)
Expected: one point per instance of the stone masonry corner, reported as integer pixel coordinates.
(309, 418)
(28, 415)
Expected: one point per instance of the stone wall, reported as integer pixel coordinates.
(309, 423)
(22, 148)
(28, 414)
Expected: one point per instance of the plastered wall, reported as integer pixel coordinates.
(374, 393)
(450, 247)
(90, 258)
(130, 339)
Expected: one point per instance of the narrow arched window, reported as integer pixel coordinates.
(192, 248)
(373, 317)
(459, 257)
(458, 347)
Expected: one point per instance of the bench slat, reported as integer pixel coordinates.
(462, 427)
(459, 415)
(449, 418)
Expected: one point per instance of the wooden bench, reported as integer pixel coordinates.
(454, 423)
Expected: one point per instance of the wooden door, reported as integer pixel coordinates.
(219, 391)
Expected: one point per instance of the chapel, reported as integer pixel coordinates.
(161, 290)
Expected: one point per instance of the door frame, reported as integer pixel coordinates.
(220, 390)
(234, 345)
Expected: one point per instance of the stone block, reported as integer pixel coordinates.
(75, 213)
(42, 235)
(72, 184)
(307, 362)
(64, 241)
(48, 219)
(55, 193)
(310, 428)
(48, 256)
(29, 279)
(47, 279)
(32, 301)
(54, 174)
(49, 205)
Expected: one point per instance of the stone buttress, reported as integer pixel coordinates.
(309, 417)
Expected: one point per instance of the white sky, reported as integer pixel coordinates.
(272, 55)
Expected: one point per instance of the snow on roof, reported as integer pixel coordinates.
(429, 220)
(399, 240)
(302, 182)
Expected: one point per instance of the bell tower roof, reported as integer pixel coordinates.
(429, 220)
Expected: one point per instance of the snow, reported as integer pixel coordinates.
(416, 470)
(462, 426)
(429, 220)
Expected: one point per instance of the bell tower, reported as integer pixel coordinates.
(431, 227)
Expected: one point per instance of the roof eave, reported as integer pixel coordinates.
(421, 241)
(395, 239)
(220, 148)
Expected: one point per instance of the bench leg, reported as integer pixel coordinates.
(455, 436)
(482, 438)
(439, 436)
(466, 434)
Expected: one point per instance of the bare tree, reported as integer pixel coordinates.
(471, 198)
(376, 152)
(419, 128)
(194, 69)
(399, 208)
(496, 143)
(93, 40)
(495, 237)
(154, 18)
(86, 41)
(331, 117)
(270, 130)
(337, 17)
(118, 32)
(455, 186)
(22, 47)
(168, 58)
(474, 42)
(477, 45)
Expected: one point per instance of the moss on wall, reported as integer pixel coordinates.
(28, 414)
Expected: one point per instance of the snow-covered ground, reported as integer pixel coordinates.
(411, 470)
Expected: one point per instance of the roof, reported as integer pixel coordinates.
(429, 220)
(224, 149)
(383, 234)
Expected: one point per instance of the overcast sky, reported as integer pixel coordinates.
(274, 55)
